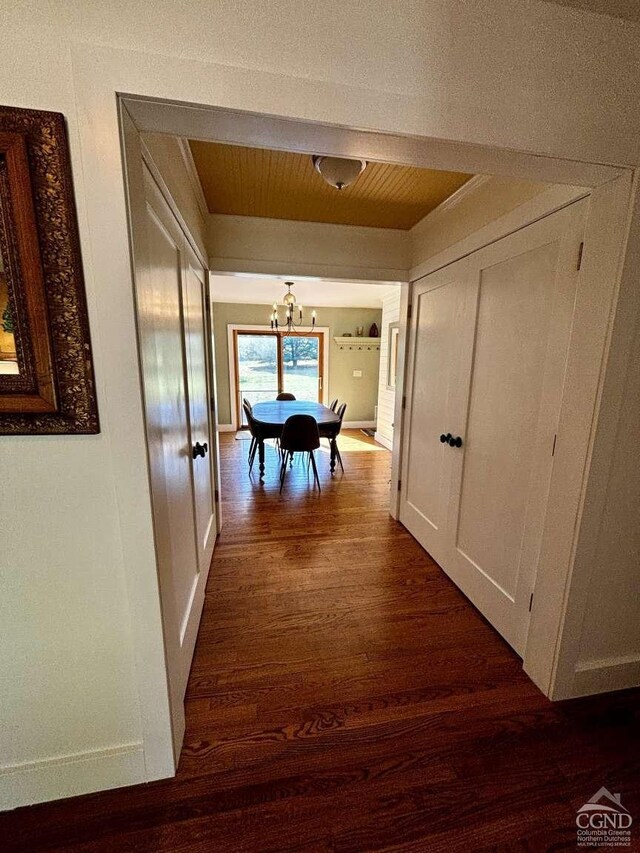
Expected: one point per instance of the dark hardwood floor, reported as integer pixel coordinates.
(346, 697)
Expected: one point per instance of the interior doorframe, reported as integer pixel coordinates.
(101, 75)
(234, 328)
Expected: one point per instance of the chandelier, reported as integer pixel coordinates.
(292, 326)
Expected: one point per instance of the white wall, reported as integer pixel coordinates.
(286, 247)
(77, 555)
(67, 673)
(611, 625)
(386, 395)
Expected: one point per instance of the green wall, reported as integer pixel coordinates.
(360, 395)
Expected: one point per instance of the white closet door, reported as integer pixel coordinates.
(196, 349)
(441, 309)
(169, 292)
(504, 395)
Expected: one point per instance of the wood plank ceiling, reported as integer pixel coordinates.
(281, 185)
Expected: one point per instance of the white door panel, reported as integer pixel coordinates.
(438, 310)
(511, 339)
(166, 416)
(200, 409)
(170, 288)
(501, 395)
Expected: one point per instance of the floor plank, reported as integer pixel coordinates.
(345, 696)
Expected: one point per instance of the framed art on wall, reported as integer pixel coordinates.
(46, 370)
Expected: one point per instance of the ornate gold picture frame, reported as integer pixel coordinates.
(46, 370)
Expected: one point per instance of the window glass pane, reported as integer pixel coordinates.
(301, 366)
(257, 368)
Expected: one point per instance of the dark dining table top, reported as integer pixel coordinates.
(273, 413)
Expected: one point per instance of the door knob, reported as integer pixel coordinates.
(445, 438)
(199, 449)
(455, 442)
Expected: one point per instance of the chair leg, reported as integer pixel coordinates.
(283, 470)
(253, 441)
(315, 469)
(252, 453)
(339, 457)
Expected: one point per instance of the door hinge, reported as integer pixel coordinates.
(409, 311)
(212, 403)
(530, 602)
(399, 484)
(216, 496)
(404, 402)
(580, 253)
(553, 449)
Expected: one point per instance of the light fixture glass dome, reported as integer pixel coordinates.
(338, 172)
(289, 299)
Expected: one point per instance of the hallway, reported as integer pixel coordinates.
(345, 696)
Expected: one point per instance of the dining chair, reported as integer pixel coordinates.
(285, 395)
(299, 435)
(340, 413)
(333, 404)
(246, 404)
(253, 429)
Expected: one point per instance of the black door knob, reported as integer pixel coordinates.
(445, 438)
(455, 442)
(199, 450)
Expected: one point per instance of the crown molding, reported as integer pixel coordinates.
(471, 186)
(194, 178)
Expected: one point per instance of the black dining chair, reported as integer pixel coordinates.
(333, 404)
(340, 413)
(299, 435)
(285, 395)
(248, 413)
(258, 434)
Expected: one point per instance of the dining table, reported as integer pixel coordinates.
(272, 414)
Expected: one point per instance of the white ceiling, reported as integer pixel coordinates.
(313, 292)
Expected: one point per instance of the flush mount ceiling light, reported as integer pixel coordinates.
(338, 172)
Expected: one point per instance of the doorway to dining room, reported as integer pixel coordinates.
(333, 359)
(304, 525)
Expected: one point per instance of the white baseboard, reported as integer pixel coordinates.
(383, 440)
(358, 425)
(226, 428)
(71, 775)
(605, 675)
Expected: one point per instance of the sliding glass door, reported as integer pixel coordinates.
(301, 366)
(257, 369)
(268, 363)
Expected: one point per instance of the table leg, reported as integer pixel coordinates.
(261, 457)
(334, 447)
